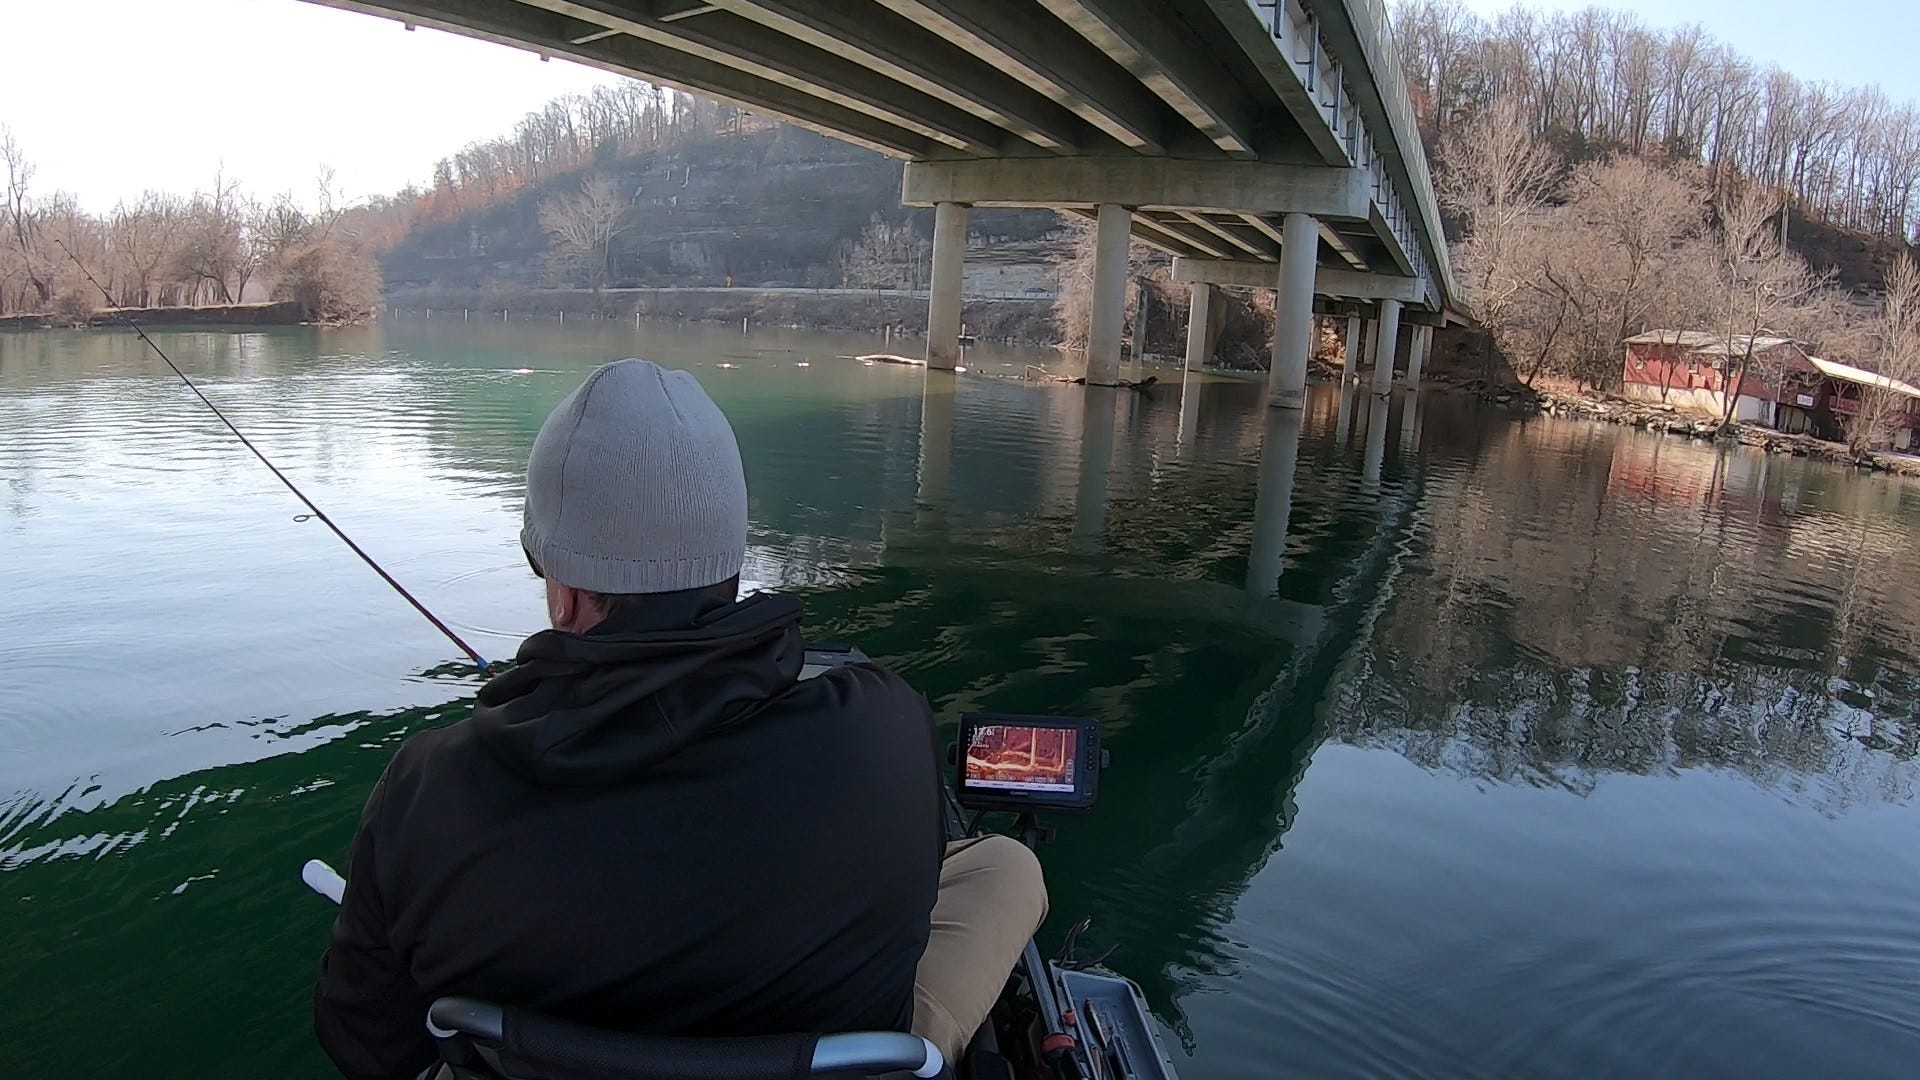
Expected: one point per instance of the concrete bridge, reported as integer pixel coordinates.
(1263, 143)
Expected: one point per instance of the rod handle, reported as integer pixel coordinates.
(323, 879)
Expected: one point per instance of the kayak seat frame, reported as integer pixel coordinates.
(482, 1040)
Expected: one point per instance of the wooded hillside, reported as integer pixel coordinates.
(632, 185)
(1843, 160)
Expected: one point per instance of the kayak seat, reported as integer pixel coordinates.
(481, 1041)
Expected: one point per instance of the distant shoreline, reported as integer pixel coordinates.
(281, 313)
(1018, 321)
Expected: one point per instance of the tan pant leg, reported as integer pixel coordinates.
(992, 899)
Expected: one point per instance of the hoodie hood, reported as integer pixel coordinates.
(602, 708)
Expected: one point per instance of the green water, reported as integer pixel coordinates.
(1445, 744)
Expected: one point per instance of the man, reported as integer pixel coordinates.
(651, 823)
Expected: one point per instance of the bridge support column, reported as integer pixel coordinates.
(1199, 322)
(1386, 343)
(1356, 337)
(1109, 294)
(1417, 355)
(943, 301)
(1293, 312)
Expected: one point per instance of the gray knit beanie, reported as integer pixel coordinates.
(635, 486)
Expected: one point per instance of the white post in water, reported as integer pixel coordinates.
(563, 316)
(429, 314)
(1385, 345)
(1293, 312)
(463, 314)
(1109, 294)
(944, 294)
(636, 320)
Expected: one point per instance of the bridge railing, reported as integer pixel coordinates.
(1375, 30)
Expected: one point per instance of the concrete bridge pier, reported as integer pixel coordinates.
(943, 301)
(1356, 340)
(1293, 312)
(1417, 354)
(1297, 279)
(1385, 346)
(1199, 325)
(1108, 320)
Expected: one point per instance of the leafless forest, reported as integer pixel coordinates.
(1599, 81)
(166, 250)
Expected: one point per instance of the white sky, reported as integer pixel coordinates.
(109, 97)
(1850, 42)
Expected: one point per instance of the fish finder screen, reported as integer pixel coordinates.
(1012, 758)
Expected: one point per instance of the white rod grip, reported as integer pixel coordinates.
(322, 879)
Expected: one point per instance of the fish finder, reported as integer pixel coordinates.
(1028, 763)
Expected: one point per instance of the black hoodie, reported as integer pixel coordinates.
(654, 827)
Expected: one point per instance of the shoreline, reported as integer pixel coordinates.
(1009, 320)
(273, 313)
(1666, 420)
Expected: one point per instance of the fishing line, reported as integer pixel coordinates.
(317, 513)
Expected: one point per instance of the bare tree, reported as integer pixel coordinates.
(1895, 341)
(1629, 232)
(76, 244)
(582, 226)
(143, 236)
(19, 216)
(1497, 177)
(1073, 263)
(334, 279)
(1765, 286)
(211, 248)
(888, 255)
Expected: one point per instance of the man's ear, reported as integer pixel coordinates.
(575, 611)
(563, 603)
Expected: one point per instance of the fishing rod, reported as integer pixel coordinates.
(479, 661)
